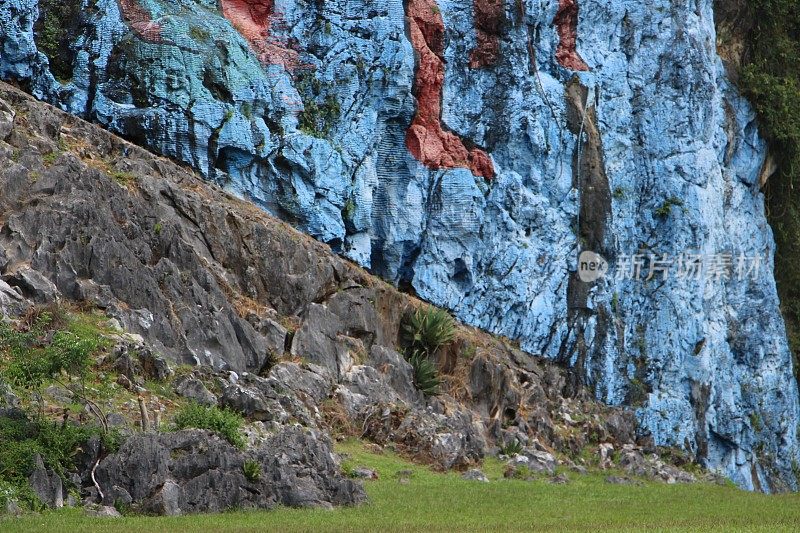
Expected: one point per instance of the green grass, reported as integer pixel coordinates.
(445, 502)
(224, 422)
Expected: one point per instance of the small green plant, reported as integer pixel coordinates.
(224, 422)
(199, 34)
(770, 79)
(619, 193)
(511, 448)
(54, 32)
(755, 421)
(348, 470)
(123, 508)
(424, 332)
(252, 470)
(349, 209)
(50, 158)
(157, 228)
(24, 438)
(316, 119)
(666, 208)
(428, 329)
(123, 178)
(637, 392)
(469, 352)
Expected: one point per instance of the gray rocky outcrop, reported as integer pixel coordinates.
(194, 471)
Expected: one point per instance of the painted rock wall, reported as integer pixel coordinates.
(470, 150)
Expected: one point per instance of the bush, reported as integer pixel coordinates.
(511, 448)
(427, 330)
(22, 439)
(224, 422)
(424, 332)
(426, 377)
(54, 31)
(31, 355)
(771, 81)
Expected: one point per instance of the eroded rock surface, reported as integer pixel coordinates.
(193, 471)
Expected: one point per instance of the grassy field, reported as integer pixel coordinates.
(445, 502)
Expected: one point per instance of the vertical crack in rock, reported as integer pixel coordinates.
(566, 23)
(139, 20)
(489, 19)
(255, 20)
(589, 177)
(426, 138)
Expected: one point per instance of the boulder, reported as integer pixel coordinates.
(33, 285)
(309, 382)
(265, 400)
(363, 472)
(153, 365)
(101, 511)
(8, 400)
(540, 462)
(606, 452)
(193, 471)
(46, 484)
(59, 394)
(11, 301)
(446, 440)
(398, 371)
(192, 388)
(319, 341)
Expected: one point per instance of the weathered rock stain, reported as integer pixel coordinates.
(426, 139)
(566, 23)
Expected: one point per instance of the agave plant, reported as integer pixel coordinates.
(426, 377)
(427, 330)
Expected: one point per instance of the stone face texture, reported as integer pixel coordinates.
(194, 471)
(625, 95)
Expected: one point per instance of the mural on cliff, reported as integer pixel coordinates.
(470, 150)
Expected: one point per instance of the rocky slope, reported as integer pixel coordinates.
(468, 150)
(267, 322)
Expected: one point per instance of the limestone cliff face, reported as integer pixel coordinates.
(470, 150)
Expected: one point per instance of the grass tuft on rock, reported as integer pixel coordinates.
(224, 422)
(251, 470)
